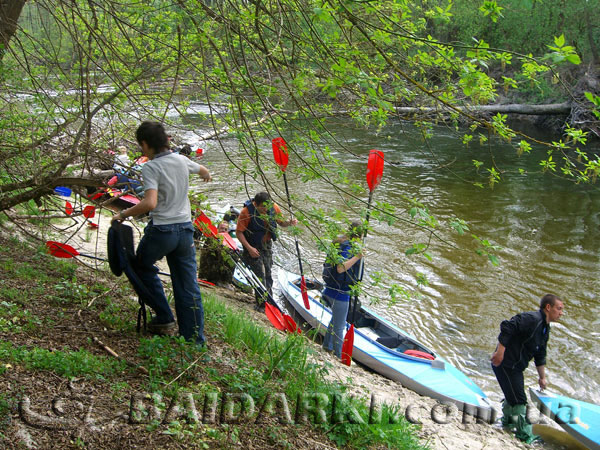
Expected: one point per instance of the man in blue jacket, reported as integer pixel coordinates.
(523, 337)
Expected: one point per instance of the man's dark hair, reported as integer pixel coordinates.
(154, 134)
(548, 299)
(261, 197)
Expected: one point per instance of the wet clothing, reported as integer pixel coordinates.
(170, 234)
(262, 267)
(512, 384)
(525, 336)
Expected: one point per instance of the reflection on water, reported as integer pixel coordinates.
(548, 230)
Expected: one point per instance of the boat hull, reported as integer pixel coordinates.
(580, 419)
(435, 378)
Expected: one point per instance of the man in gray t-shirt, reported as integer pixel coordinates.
(169, 234)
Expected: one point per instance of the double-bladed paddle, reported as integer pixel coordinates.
(61, 250)
(374, 174)
(274, 314)
(281, 155)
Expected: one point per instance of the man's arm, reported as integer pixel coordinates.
(541, 370)
(498, 355)
(204, 173)
(254, 253)
(242, 224)
(148, 203)
(279, 218)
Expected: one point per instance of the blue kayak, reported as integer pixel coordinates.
(580, 419)
(393, 353)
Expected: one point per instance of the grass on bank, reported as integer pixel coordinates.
(40, 296)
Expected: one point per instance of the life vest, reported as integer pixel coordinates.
(340, 281)
(257, 228)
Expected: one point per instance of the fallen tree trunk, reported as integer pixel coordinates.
(514, 108)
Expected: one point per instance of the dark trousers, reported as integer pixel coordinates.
(176, 242)
(512, 384)
(261, 267)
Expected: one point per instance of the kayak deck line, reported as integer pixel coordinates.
(380, 346)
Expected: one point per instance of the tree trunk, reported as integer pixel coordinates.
(10, 10)
(554, 108)
(590, 35)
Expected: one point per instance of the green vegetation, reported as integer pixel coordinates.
(77, 75)
(245, 363)
(64, 363)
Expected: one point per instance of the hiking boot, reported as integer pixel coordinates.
(160, 328)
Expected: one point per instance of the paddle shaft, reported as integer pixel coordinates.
(287, 193)
(361, 269)
(105, 260)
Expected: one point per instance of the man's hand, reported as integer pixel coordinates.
(498, 355)
(543, 383)
(117, 218)
(253, 252)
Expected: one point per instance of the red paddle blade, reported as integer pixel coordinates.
(280, 153)
(348, 346)
(274, 316)
(304, 292)
(204, 224)
(228, 241)
(61, 250)
(89, 211)
(374, 168)
(68, 208)
(205, 283)
(290, 324)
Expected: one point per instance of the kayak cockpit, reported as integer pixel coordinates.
(377, 331)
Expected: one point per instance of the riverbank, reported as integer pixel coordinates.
(74, 371)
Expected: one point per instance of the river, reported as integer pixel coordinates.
(548, 230)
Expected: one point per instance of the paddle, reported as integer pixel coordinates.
(281, 155)
(61, 250)
(66, 251)
(374, 173)
(274, 314)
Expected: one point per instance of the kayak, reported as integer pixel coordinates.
(392, 352)
(580, 419)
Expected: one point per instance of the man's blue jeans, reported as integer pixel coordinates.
(176, 242)
(334, 337)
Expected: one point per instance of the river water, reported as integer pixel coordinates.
(548, 228)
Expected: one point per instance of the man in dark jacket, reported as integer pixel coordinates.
(523, 337)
